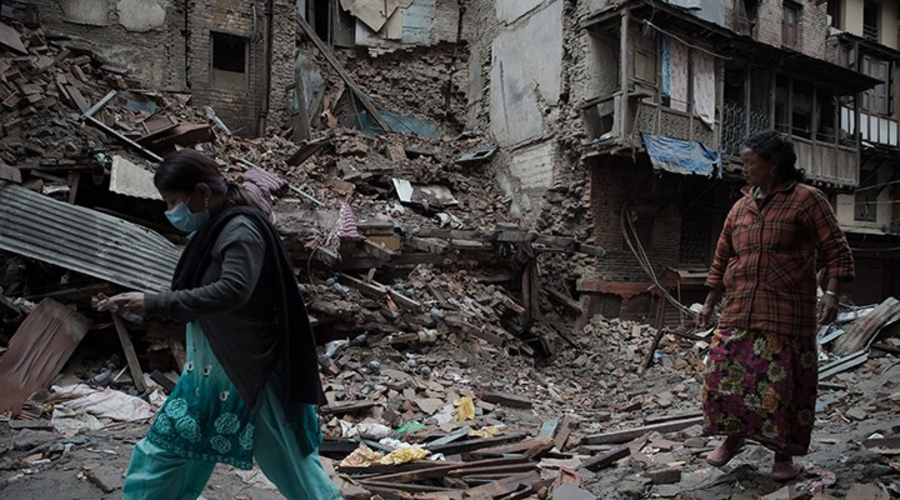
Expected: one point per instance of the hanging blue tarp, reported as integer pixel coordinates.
(681, 157)
(398, 123)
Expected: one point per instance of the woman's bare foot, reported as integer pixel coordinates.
(726, 451)
(784, 468)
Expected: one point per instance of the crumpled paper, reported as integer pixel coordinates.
(361, 457)
(465, 409)
(404, 455)
(484, 432)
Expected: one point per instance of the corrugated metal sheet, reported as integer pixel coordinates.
(85, 241)
(38, 351)
(131, 180)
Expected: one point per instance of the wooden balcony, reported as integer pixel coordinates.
(824, 160)
(828, 163)
(612, 130)
(874, 129)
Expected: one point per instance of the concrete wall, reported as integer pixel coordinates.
(884, 209)
(852, 20)
(525, 83)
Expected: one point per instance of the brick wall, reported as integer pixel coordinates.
(614, 183)
(155, 57)
(284, 53)
(178, 54)
(813, 26)
(238, 107)
(413, 82)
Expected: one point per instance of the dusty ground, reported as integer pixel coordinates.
(598, 394)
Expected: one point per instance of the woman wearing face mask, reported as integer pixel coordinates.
(250, 383)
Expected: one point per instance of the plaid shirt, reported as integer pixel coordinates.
(766, 260)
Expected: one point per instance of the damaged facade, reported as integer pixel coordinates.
(627, 124)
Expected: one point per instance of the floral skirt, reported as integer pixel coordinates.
(761, 386)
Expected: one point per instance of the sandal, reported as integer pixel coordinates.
(725, 451)
(785, 471)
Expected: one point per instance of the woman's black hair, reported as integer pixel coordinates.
(777, 149)
(181, 171)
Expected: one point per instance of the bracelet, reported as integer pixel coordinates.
(829, 292)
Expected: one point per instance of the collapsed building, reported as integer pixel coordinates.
(603, 112)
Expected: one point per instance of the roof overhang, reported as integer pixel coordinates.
(868, 46)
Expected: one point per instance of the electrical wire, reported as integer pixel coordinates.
(681, 41)
(644, 260)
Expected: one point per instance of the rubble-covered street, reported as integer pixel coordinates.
(497, 317)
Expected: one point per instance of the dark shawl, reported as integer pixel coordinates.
(291, 349)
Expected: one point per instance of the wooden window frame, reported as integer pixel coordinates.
(790, 29)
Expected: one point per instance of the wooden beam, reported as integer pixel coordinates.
(354, 89)
(452, 234)
(441, 470)
(372, 290)
(352, 407)
(626, 435)
(130, 356)
(378, 251)
(473, 444)
(565, 300)
(606, 459)
(505, 486)
(426, 245)
(506, 399)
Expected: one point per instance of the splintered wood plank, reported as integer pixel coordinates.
(442, 470)
(357, 93)
(606, 459)
(474, 444)
(79, 100)
(506, 399)
(625, 435)
(130, 356)
(512, 484)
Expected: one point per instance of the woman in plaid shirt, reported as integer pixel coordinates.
(762, 368)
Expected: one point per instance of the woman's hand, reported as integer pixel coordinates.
(826, 309)
(704, 317)
(124, 303)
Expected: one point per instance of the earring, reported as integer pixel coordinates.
(206, 203)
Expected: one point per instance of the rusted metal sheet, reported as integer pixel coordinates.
(38, 351)
(131, 180)
(85, 241)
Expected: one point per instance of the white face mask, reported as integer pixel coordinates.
(182, 218)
